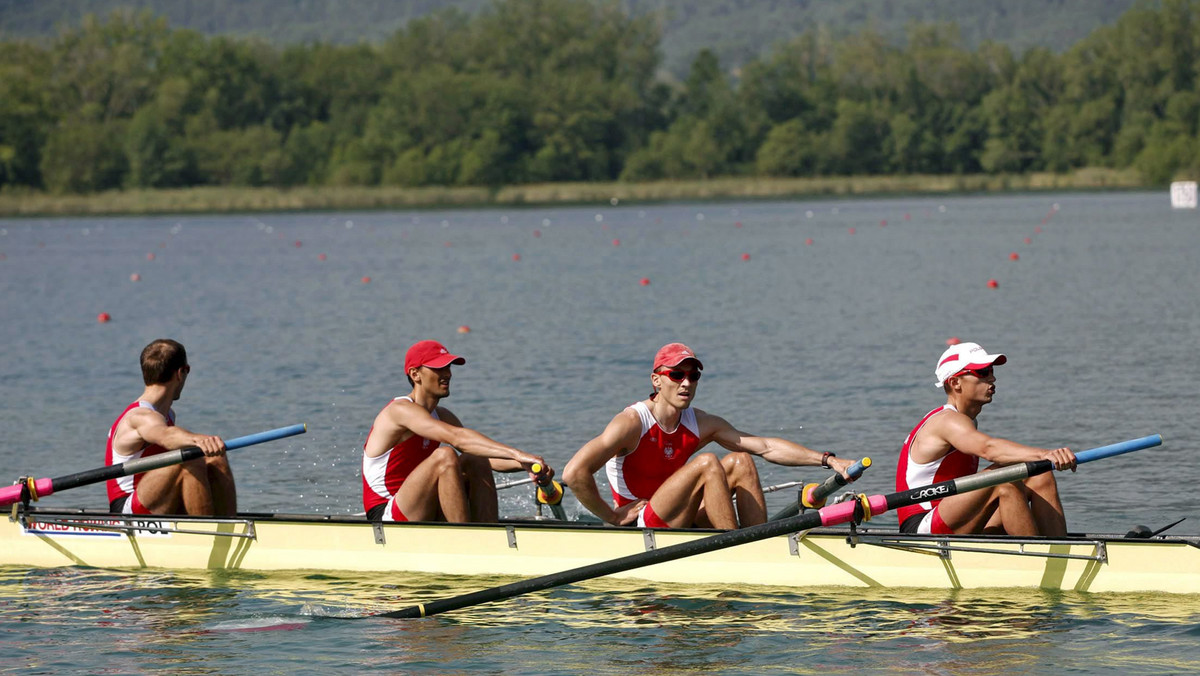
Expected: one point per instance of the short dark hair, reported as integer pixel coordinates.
(161, 359)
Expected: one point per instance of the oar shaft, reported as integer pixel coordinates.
(826, 516)
(11, 494)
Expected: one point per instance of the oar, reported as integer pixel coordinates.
(852, 510)
(813, 496)
(33, 489)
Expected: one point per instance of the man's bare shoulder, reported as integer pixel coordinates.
(142, 416)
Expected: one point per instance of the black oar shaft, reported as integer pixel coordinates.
(826, 516)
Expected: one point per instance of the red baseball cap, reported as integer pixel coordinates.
(674, 354)
(430, 353)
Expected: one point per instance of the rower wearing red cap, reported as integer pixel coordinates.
(646, 451)
(947, 444)
(421, 464)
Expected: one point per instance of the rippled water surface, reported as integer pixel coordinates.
(830, 343)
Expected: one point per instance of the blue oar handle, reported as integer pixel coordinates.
(1118, 449)
(269, 435)
(836, 481)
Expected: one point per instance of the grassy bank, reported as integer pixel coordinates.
(220, 199)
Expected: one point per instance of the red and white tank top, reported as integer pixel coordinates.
(910, 474)
(119, 488)
(657, 456)
(384, 474)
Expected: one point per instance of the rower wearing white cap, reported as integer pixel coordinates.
(646, 449)
(947, 444)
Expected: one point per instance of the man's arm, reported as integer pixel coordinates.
(772, 449)
(579, 473)
(451, 432)
(151, 427)
(960, 432)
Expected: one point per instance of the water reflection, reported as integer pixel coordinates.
(235, 621)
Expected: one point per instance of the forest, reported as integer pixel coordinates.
(542, 91)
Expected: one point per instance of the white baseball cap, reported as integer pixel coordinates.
(964, 356)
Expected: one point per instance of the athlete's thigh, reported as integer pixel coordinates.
(967, 512)
(161, 490)
(681, 494)
(417, 497)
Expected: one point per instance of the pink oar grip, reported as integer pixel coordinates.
(843, 512)
(12, 494)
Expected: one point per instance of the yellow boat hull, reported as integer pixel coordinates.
(822, 558)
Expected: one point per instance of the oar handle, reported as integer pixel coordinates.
(43, 487)
(549, 491)
(1118, 449)
(835, 481)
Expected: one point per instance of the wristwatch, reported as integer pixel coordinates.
(825, 458)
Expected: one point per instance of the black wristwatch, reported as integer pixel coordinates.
(825, 458)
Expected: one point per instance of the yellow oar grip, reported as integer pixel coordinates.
(536, 468)
(866, 462)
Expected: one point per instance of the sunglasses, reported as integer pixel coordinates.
(978, 373)
(678, 375)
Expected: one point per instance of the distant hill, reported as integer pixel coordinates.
(736, 30)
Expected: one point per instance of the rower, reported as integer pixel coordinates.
(648, 447)
(421, 464)
(203, 486)
(947, 444)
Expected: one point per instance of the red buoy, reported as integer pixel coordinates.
(150, 256)
(1038, 230)
(738, 224)
(953, 340)
(135, 277)
(103, 317)
(907, 217)
(808, 241)
(853, 230)
(320, 257)
(645, 281)
(1014, 256)
(883, 223)
(1029, 240)
(745, 257)
(516, 257)
(464, 329)
(299, 244)
(992, 284)
(366, 280)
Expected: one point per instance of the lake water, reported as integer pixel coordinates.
(830, 343)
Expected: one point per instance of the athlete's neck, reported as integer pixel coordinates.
(968, 408)
(424, 399)
(160, 397)
(667, 415)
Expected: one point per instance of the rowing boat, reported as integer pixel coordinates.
(860, 557)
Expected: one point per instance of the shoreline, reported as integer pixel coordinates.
(199, 200)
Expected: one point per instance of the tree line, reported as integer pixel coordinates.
(569, 90)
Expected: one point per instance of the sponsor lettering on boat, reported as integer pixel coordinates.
(96, 528)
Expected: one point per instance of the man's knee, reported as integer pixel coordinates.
(708, 464)
(445, 459)
(1010, 491)
(740, 466)
(1043, 484)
